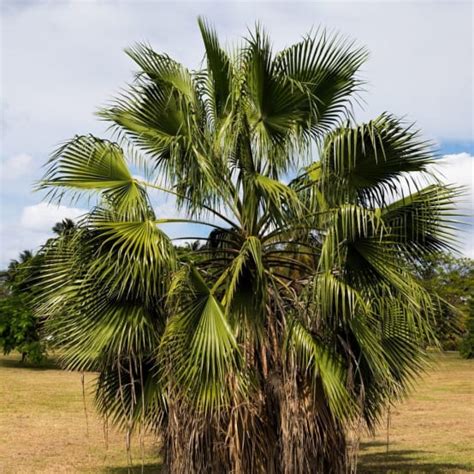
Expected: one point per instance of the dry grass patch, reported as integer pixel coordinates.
(433, 430)
(43, 426)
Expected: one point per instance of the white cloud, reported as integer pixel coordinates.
(458, 169)
(42, 217)
(17, 166)
(32, 228)
(15, 239)
(453, 169)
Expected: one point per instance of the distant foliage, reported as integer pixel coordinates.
(452, 279)
(467, 344)
(20, 328)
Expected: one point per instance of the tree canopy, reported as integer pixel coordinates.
(20, 328)
(452, 279)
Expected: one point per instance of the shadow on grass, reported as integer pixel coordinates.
(401, 461)
(136, 469)
(13, 362)
(393, 462)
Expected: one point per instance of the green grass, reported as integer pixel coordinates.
(43, 427)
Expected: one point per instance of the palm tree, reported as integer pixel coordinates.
(65, 226)
(299, 319)
(24, 257)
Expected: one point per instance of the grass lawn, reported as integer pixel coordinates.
(43, 427)
(433, 430)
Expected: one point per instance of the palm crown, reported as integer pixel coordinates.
(299, 316)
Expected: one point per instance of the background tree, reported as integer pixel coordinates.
(20, 328)
(452, 279)
(64, 227)
(466, 347)
(301, 316)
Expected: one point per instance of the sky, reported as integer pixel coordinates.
(62, 60)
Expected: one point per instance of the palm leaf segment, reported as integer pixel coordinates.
(300, 313)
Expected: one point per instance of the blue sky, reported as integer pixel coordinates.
(61, 60)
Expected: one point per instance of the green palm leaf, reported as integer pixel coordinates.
(317, 360)
(198, 344)
(87, 164)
